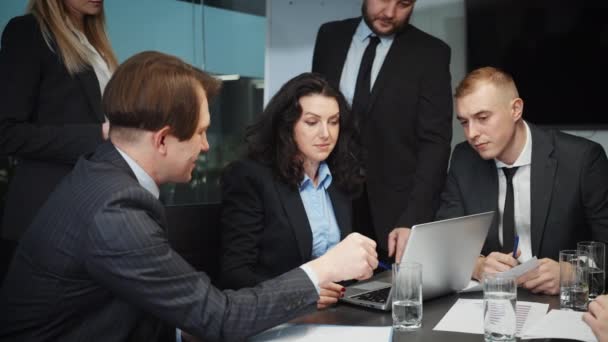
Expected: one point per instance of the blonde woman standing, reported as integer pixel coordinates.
(54, 64)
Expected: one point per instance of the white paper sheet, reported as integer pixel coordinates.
(561, 324)
(517, 271)
(522, 269)
(466, 316)
(472, 286)
(320, 333)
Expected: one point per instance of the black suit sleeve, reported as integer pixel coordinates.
(594, 185)
(318, 51)
(452, 204)
(242, 220)
(434, 134)
(21, 69)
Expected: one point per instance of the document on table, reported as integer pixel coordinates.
(466, 315)
(320, 333)
(522, 269)
(561, 324)
(472, 286)
(516, 272)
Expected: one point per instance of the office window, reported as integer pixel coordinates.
(224, 38)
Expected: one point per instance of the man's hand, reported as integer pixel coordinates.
(597, 318)
(354, 257)
(397, 240)
(495, 262)
(544, 279)
(330, 293)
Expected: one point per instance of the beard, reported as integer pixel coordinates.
(369, 20)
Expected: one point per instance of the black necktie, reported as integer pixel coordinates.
(363, 86)
(508, 214)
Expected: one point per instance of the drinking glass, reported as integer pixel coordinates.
(499, 307)
(573, 280)
(597, 266)
(407, 296)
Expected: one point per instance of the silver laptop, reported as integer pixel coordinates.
(446, 249)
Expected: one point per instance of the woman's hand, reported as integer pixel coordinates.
(330, 293)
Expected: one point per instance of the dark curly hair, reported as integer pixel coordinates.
(270, 140)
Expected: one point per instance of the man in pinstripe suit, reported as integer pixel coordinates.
(95, 264)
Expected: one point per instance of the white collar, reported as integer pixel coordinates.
(525, 156)
(143, 178)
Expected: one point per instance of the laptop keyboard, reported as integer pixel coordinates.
(376, 296)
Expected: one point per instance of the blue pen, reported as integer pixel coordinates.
(515, 243)
(383, 265)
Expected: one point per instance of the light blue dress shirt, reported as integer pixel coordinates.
(320, 212)
(143, 178)
(348, 80)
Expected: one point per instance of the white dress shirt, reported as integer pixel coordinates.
(348, 80)
(521, 196)
(100, 66)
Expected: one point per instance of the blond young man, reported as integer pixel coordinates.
(559, 186)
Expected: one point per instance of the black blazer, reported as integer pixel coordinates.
(407, 130)
(265, 230)
(568, 185)
(47, 119)
(95, 265)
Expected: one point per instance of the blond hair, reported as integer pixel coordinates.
(492, 75)
(58, 33)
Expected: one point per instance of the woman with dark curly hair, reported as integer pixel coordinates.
(288, 201)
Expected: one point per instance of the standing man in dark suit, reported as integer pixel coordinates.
(95, 265)
(549, 188)
(397, 79)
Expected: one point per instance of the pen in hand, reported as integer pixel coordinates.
(383, 265)
(515, 246)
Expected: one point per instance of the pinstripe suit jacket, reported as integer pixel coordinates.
(96, 266)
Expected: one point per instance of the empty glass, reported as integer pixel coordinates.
(597, 261)
(407, 296)
(499, 307)
(573, 280)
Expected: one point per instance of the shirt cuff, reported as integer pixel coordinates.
(313, 277)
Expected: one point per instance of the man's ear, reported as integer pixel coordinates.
(159, 139)
(517, 108)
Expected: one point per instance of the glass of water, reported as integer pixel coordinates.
(499, 307)
(596, 251)
(407, 296)
(573, 280)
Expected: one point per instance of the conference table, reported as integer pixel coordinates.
(433, 311)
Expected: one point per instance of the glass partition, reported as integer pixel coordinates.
(224, 37)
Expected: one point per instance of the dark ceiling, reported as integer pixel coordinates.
(256, 7)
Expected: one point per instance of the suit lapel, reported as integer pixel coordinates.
(487, 180)
(296, 214)
(90, 85)
(341, 205)
(341, 45)
(542, 176)
(396, 56)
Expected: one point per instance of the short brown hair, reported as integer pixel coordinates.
(495, 76)
(152, 90)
